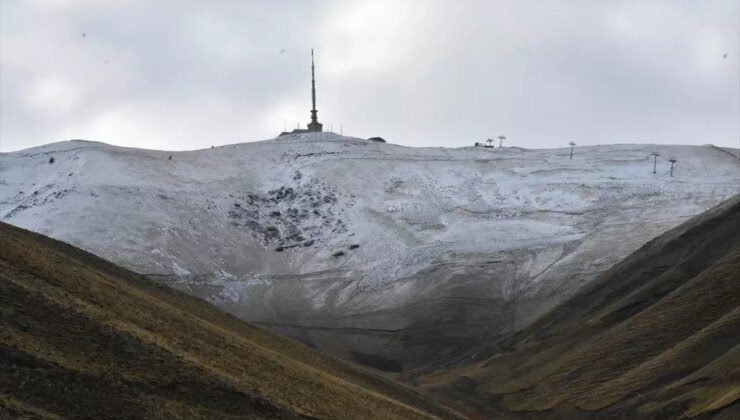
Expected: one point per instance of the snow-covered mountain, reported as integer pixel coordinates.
(388, 255)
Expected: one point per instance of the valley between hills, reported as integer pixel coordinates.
(324, 276)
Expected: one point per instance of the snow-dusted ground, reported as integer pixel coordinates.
(341, 233)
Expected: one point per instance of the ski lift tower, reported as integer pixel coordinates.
(572, 144)
(501, 139)
(655, 160)
(673, 162)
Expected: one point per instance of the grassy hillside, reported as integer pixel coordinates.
(81, 337)
(658, 335)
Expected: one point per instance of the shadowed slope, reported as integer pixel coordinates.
(82, 337)
(656, 335)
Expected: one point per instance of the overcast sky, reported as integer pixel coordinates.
(191, 74)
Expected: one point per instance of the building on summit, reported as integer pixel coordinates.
(314, 126)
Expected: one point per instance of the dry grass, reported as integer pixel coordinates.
(656, 336)
(82, 337)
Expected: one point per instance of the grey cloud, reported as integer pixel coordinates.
(186, 74)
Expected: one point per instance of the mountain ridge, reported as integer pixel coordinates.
(361, 248)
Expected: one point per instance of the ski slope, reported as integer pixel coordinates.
(365, 248)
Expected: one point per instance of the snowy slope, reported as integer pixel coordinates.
(319, 235)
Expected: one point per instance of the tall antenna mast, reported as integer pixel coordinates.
(314, 125)
(313, 90)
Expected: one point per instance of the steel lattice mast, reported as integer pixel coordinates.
(313, 91)
(314, 125)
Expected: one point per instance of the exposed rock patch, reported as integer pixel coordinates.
(290, 216)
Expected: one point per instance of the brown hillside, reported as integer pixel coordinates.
(81, 337)
(658, 335)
